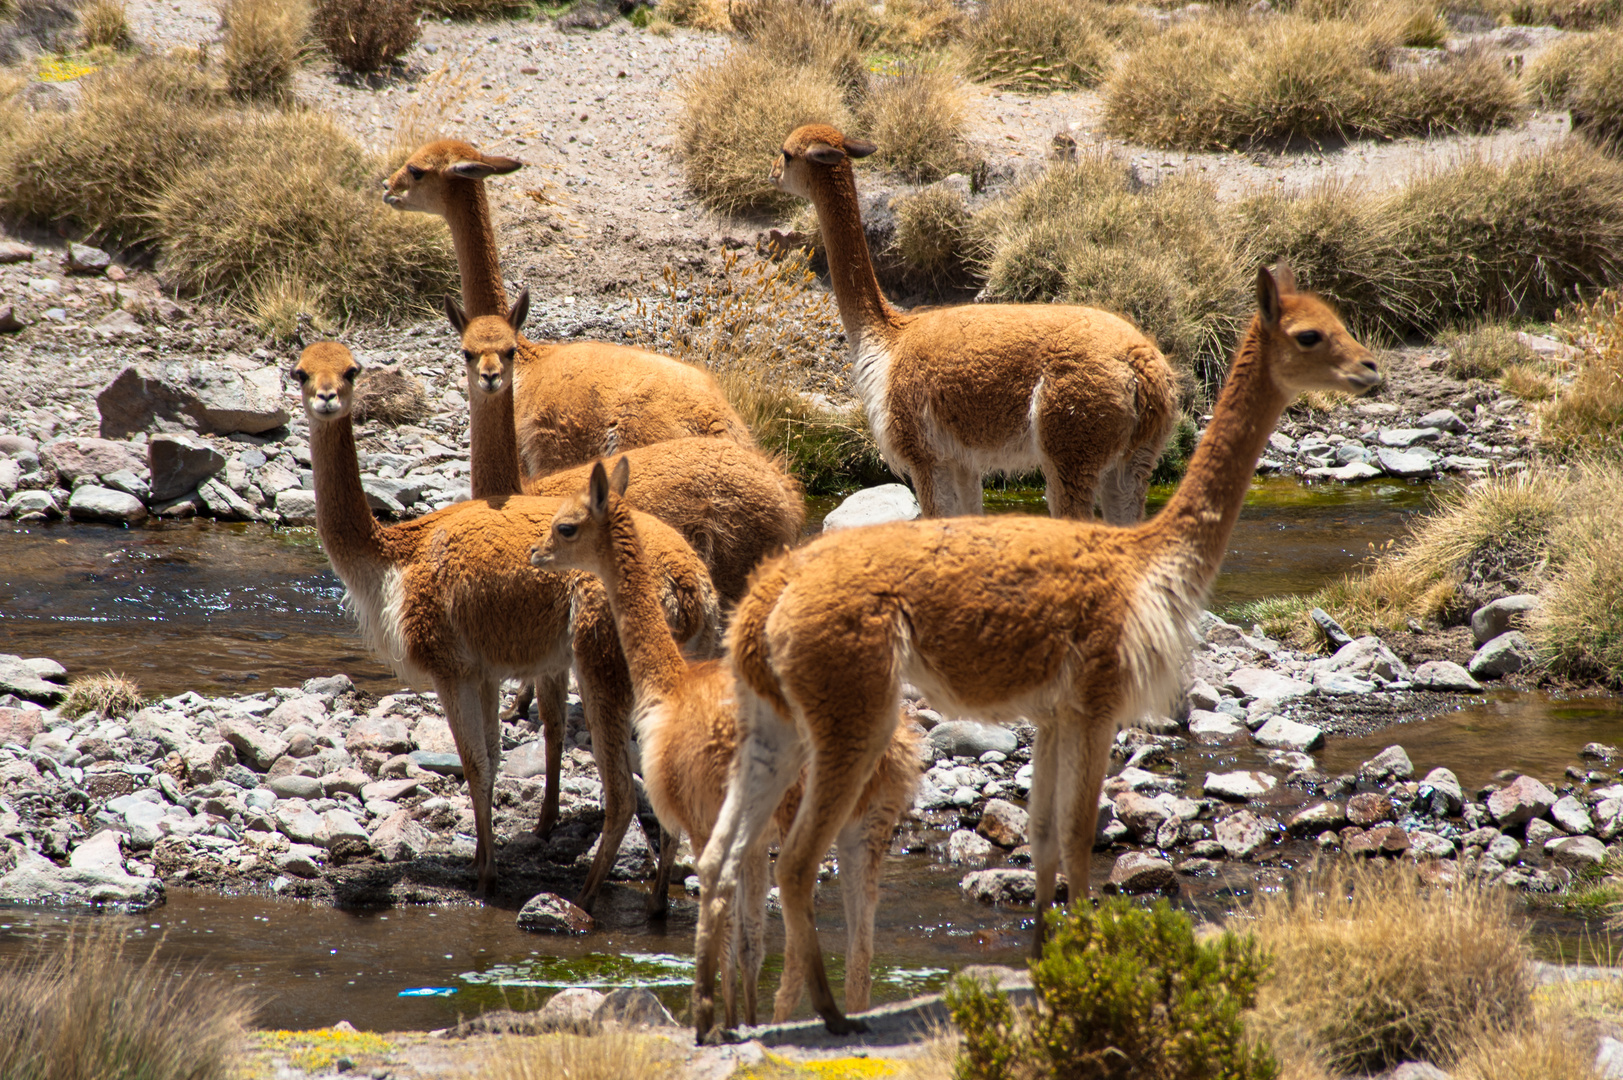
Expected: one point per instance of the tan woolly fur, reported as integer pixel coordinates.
(686, 719)
(1079, 626)
(573, 402)
(451, 601)
(956, 392)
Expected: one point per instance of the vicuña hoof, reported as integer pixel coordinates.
(844, 1025)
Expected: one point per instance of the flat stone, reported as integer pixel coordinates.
(296, 821)
(384, 734)
(1333, 632)
(549, 913)
(1445, 420)
(178, 463)
(1242, 834)
(444, 764)
(1466, 463)
(967, 738)
(1367, 657)
(633, 1006)
(1576, 852)
(208, 396)
(1004, 823)
(19, 678)
(84, 259)
(1265, 685)
(255, 748)
(75, 457)
(967, 848)
(572, 1010)
(129, 483)
(1350, 473)
(1141, 872)
(1430, 845)
(873, 506)
(1238, 786)
(1444, 676)
(525, 761)
(1402, 464)
(1519, 801)
(295, 786)
(389, 790)
(1506, 654)
(308, 709)
(1403, 438)
(1572, 816)
(93, 503)
(1340, 684)
(1280, 733)
(397, 838)
(100, 852)
(1506, 613)
(1314, 819)
(1213, 727)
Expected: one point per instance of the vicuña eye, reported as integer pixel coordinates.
(416, 173)
(566, 530)
(349, 376)
(467, 354)
(1309, 338)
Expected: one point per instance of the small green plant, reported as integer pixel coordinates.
(1123, 994)
(107, 695)
(1179, 449)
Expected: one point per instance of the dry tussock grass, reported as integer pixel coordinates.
(1037, 44)
(1567, 14)
(1588, 416)
(472, 10)
(736, 114)
(1550, 78)
(389, 396)
(610, 1056)
(85, 1009)
(105, 24)
(903, 26)
(1595, 92)
(932, 231)
(806, 33)
(1530, 382)
(265, 42)
(699, 14)
(1555, 1048)
(108, 694)
(1486, 352)
(917, 120)
(1580, 630)
(365, 35)
(1371, 968)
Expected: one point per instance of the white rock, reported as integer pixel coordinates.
(1238, 786)
(873, 506)
(1280, 733)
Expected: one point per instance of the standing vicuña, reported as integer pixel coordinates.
(450, 599)
(573, 402)
(1079, 626)
(954, 393)
(686, 719)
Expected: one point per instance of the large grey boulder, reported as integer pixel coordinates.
(549, 913)
(208, 396)
(19, 677)
(34, 879)
(257, 749)
(1506, 613)
(873, 506)
(1281, 733)
(1262, 684)
(93, 503)
(1141, 872)
(1506, 654)
(633, 1006)
(178, 463)
(1521, 800)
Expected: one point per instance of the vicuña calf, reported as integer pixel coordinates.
(574, 402)
(954, 393)
(1079, 626)
(450, 600)
(686, 721)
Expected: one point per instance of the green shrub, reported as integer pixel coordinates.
(1036, 45)
(265, 42)
(366, 35)
(1123, 994)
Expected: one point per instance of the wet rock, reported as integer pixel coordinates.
(207, 762)
(1521, 800)
(384, 734)
(1576, 852)
(1280, 733)
(1213, 727)
(1003, 823)
(1571, 815)
(178, 463)
(967, 848)
(84, 259)
(549, 913)
(1314, 819)
(1003, 886)
(873, 506)
(966, 738)
(1442, 783)
(296, 506)
(1348, 473)
(1444, 676)
(572, 1010)
(1140, 872)
(73, 458)
(34, 879)
(1506, 654)
(633, 1006)
(1403, 464)
(93, 503)
(18, 677)
(397, 838)
(1238, 786)
(1390, 764)
(208, 397)
(1367, 808)
(1242, 834)
(1265, 685)
(294, 786)
(1504, 614)
(257, 749)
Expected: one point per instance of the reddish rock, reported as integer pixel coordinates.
(1003, 823)
(1521, 800)
(1141, 872)
(1367, 808)
(20, 725)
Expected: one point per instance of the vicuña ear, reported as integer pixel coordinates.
(824, 154)
(859, 147)
(454, 312)
(1284, 278)
(622, 475)
(519, 311)
(503, 165)
(1267, 297)
(597, 491)
(470, 170)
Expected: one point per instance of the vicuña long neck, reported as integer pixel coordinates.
(468, 215)
(655, 663)
(863, 309)
(1201, 515)
(343, 518)
(494, 442)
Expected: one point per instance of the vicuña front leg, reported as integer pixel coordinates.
(606, 694)
(465, 702)
(552, 693)
(1044, 829)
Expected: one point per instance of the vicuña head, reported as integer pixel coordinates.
(427, 182)
(326, 374)
(571, 542)
(1309, 347)
(489, 343)
(813, 147)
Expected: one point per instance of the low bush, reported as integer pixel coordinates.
(1371, 968)
(264, 44)
(389, 396)
(1486, 352)
(1587, 417)
(917, 121)
(1579, 633)
(735, 116)
(902, 26)
(1036, 45)
(932, 231)
(1595, 95)
(1417, 24)
(105, 24)
(85, 1009)
(291, 196)
(366, 35)
(1567, 14)
(106, 695)
(1560, 1050)
(1549, 79)
(699, 14)
(806, 33)
(1123, 994)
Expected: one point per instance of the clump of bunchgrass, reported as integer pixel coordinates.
(1595, 93)
(736, 114)
(107, 695)
(902, 26)
(265, 42)
(698, 14)
(610, 1056)
(1550, 78)
(1371, 968)
(806, 33)
(105, 24)
(1579, 631)
(1486, 351)
(916, 119)
(1567, 14)
(1587, 417)
(472, 10)
(87, 1009)
(389, 396)
(1036, 45)
(932, 231)
(366, 35)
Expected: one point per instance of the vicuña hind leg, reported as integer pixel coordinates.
(466, 702)
(605, 690)
(1044, 829)
(552, 694)
(1081, 776)
(767, 761)
(1124, 485)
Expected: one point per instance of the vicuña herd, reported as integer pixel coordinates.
(623, 519)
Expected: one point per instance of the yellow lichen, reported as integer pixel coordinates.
(58, 68)
(846, 1068)
(312, 1051)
